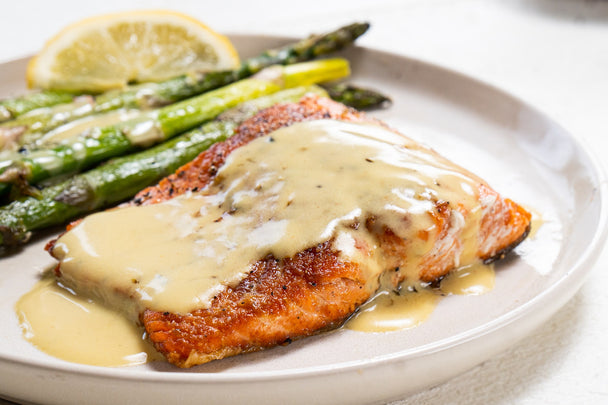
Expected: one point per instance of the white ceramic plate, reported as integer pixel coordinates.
(522, 153)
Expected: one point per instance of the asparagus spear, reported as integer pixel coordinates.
(123, 177)
(100, 144)
(357, 97)
(155, 95)
(351, 95)
(12, 108)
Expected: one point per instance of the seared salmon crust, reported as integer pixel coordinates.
(279, 301)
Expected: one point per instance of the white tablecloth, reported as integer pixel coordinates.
(551, 53)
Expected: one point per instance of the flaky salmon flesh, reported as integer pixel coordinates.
(317, 289)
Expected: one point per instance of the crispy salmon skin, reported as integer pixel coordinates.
(317, 289)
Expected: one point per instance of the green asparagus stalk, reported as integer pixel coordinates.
(154, 95)
(122, 178)
(357, 97)
(100, 144)
(28, 127)
(12, 108)
(351, 95)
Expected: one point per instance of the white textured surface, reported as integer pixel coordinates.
(551, 53)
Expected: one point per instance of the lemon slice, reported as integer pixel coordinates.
(110, 51)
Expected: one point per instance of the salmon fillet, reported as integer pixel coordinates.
(317, 289)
